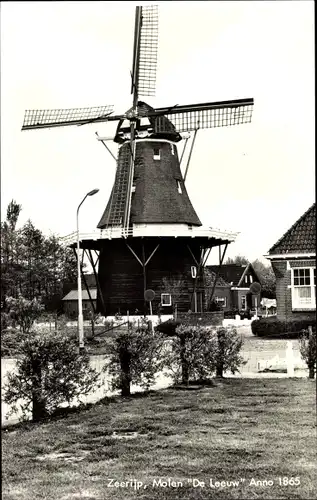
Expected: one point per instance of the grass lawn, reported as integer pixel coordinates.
(235, 431)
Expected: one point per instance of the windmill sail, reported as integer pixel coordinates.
(206, 115)
(145, 51)
(47, 118)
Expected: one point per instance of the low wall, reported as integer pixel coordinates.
(202, 319)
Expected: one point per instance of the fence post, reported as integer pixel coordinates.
(290, 359)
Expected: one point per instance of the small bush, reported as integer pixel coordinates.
(272, 327)
(49, 372)
(197, 353)
(307, 347)
(135, 357)
(168, 327)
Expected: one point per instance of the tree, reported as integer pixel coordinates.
(24, 312)
(10, 253)
(32, 264)
(49, 372)
(175, 287)
(267, 278)
(239, 260)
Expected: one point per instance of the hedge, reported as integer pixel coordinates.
(168, 327)
(272, 327)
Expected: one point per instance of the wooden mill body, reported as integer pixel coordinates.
(165, 239)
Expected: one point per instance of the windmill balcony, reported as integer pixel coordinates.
(152, 230)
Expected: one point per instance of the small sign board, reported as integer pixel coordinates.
(149, 295)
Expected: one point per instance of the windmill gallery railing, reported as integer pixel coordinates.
(119, 232)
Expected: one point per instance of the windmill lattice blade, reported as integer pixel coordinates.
(148, 51)
(207, 115)
(47, 118)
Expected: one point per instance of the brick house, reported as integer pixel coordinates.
(232, 290)
(293, 259)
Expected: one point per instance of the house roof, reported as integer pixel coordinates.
(231, 273)
(300, 238)
(73, 294)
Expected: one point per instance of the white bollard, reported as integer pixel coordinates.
(290, 359)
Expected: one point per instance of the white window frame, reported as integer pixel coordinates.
(179, 187)
(297, 304)
(246, 278)
(221, 300)
(169, 299)
(251, 278)
(156, 156)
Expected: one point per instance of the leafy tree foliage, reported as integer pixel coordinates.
(49, 372)
(24, 312)
(239, 260)
(197, 353)
(32, 264)
(135, 357)
(267, 278)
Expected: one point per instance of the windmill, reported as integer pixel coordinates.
(149, 231)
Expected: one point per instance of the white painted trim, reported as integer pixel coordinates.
(239, 288)
(151, 230)
(145, 139)
(290, 256)
(170, 300)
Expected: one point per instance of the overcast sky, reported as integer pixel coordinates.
(256, 178)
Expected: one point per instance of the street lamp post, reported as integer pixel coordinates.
(80, 300)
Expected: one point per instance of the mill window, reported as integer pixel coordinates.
(166, 299)
(156, 153)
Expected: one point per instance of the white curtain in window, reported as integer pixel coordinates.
(303, 294)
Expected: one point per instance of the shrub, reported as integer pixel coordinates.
(135, 357)
(11, 339)
(272, 327)
(50, 372)
(307, 347)
(24, 311)
(168, 327)
(197, 353)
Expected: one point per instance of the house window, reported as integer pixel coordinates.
(221, 301)
(243, 302)
(156, 154)
(166, 299)
(304, 288)
(246, 278)
(172, 149)
(193, 271)
(251, 279)
(179, 187)
(133, 188)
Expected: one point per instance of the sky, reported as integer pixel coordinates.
(256, 179)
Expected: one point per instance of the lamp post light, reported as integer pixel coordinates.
(80, 303)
